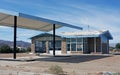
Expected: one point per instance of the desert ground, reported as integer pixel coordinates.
(72, 65)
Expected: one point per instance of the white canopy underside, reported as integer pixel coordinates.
(31, 22)
(8, 20)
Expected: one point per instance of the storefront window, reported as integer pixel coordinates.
(57, 45)
(75, 44)
(68, 40)
(73, 39)
(79, 47)
(85, 44)
(79, 39)
(40, 46)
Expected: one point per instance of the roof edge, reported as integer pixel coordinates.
(49, 20)
(107, 32)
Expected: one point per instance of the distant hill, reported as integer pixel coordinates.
(19, 43)
(27, 44)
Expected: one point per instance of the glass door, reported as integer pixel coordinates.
(73, 46)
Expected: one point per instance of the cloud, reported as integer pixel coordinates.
(97, 17)
(25, 34)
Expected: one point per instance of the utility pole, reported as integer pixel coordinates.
(88, 28)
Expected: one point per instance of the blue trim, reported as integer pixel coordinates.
(107, 34)
(48, 21)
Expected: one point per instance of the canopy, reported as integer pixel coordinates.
(30, 22)
(15, 19)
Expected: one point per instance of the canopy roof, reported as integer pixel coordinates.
(30, 22)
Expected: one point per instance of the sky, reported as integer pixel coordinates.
(98, 14)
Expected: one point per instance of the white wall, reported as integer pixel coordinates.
(56, 52)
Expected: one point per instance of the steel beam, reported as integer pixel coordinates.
(54, 39)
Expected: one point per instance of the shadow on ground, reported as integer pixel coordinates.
(73, 58)
(63, 59)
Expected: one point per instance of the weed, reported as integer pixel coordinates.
(7, 65)
(55, 69)
(116, 73)
(10, 74)
(36, 74)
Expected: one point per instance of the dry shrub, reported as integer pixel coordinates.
(55, 69)
(100, 73)
(116, 73)
(10, 74)
(30, 58)
(36, 74)
(73, 73)
(7, 65)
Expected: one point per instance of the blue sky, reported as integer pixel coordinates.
(98, 14)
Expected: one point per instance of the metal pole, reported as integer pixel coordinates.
(54, 39)
(15, 34)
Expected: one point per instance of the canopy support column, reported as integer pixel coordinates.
(54, 39)
(15, 34)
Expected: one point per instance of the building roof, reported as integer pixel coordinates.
(44, 35)
(79, 34)
(30, 22)
(89, 34)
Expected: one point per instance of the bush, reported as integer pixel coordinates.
(116, 73)
(117, 46)
(5, 49)
(55, 69)
(28, 49)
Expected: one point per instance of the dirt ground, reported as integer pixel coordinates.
(72, 65)
(10, 55)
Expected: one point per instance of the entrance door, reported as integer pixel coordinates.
(73, 46)
(68, 48)
(43, 47)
